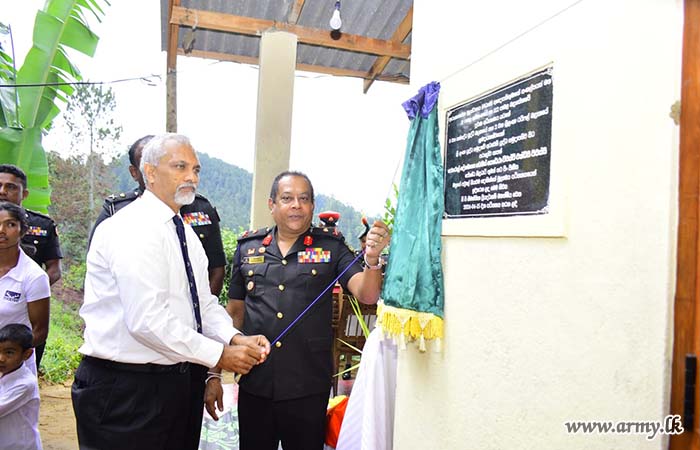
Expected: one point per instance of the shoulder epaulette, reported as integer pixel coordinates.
(43, 216)
(201, 202)
(201, 197)
(250, 234)
(332, 232)
(122, 196)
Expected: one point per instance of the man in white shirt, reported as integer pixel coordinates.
(152, 326)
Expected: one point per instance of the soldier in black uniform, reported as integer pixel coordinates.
(200, 214)
(277, 273)
(41, 241)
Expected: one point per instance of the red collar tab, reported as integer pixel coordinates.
(267, 240)
(308, 240)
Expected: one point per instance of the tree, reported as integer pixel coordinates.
(33, 95)
(94, 137)
(66, 177)
(70, 207)
(81, 180)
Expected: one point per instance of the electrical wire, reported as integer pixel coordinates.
(510, 41)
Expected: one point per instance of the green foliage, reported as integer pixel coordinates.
(230, 240)
(390, 208)
(82, 180)
(355, 304)
(61, 356)
(60, 25)
(90, 122)
(22, 147)
(31, 110)
(8, 73)
(72, 208)
(74, 278)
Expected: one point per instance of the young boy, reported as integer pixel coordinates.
(19, 390)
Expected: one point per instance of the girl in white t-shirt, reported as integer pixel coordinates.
(24, 286)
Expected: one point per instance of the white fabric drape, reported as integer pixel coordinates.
(369, 418)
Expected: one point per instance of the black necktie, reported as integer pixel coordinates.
(180, 229)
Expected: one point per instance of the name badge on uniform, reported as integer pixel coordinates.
(314, 255)
(37, 231)
(254, 259)
(196, 219)
(12, 296)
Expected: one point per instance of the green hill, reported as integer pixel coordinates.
(229, 187)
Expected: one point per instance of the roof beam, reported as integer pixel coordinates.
(295, 12)
(400, 34)
(305, 67)
(172, 36)
(254, 27)
(171, 72)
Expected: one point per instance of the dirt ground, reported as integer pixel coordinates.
(56, 419)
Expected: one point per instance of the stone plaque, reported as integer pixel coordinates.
(498, 150)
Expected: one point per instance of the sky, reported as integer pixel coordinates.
(349, 143)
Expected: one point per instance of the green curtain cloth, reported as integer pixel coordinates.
(414, 278)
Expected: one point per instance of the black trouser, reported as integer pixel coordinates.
(138, 406)
(38, 353)
(299, 423)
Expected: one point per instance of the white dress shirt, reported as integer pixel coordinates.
(19, 410)
(137, 306)
(23, 284)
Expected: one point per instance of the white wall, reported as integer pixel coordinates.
(544, 330)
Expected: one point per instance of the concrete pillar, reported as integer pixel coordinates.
(273, 126)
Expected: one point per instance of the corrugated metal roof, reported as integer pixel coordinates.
(378, 19)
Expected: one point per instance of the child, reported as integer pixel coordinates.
(19, 391)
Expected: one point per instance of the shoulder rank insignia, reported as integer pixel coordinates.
(260, 232)
(128, 195)
(314, 255)
(196, 219)
(332, 232)
(31, 213)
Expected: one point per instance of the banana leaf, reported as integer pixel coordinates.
(47, 62)
(23, 148)
(47, 68)
(8, 75)
(8, 95)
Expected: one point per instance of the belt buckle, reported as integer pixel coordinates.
(184, 367)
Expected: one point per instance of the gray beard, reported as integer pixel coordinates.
(184, 198)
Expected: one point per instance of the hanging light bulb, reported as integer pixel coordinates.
(335, 22)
